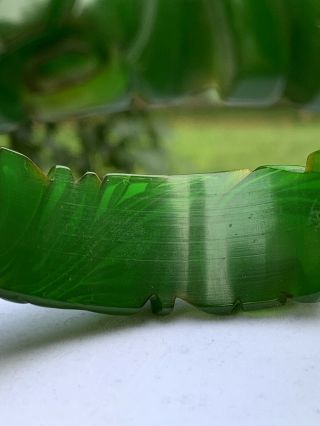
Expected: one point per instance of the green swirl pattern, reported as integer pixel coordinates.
(220, 241)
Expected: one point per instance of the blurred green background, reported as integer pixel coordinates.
(160, 86)
(197, 141)
(227, 139)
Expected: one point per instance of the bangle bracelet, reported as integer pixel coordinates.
(219, 241)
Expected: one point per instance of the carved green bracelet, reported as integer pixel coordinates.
(219, 241)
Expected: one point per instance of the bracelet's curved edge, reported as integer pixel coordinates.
(312, 165)
(6, 154)
(158, 307)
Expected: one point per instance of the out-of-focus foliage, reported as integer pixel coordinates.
(131, 141)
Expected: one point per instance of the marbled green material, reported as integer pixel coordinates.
(219, 241)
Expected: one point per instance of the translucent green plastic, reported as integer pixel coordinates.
(219, 241)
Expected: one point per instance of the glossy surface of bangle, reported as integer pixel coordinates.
(220, 241)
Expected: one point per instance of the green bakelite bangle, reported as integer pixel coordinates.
(219, 241)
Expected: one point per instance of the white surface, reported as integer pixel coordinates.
(75, 368)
